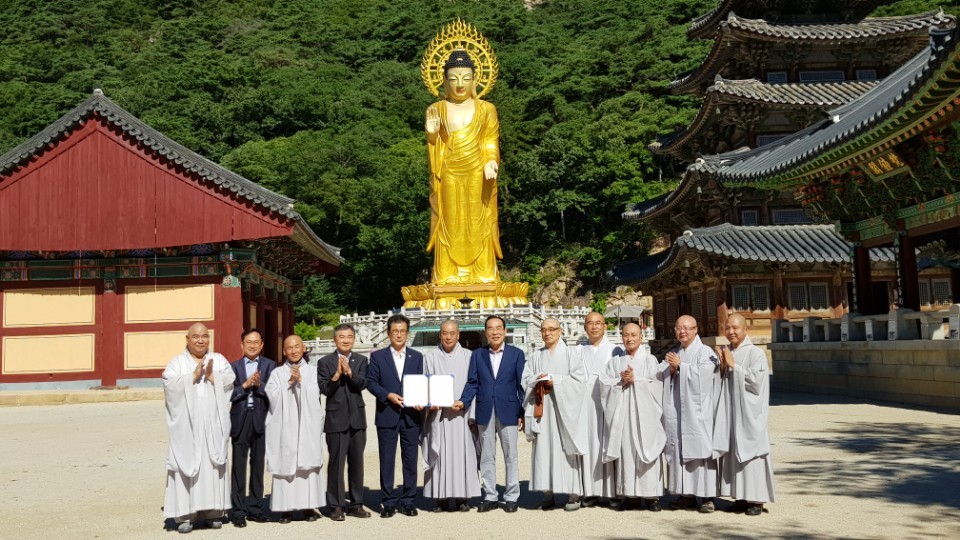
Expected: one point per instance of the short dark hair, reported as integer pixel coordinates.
(502, 321)
(344, 326)
(398, 318)
(252, 330)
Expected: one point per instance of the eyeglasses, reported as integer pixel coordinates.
(198, 337)
(684, 328)
(396, 332)
(550, 328)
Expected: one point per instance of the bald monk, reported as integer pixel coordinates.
(691, 382)
(634, 437)
(197, 385)
(746, 467)
(295, 435)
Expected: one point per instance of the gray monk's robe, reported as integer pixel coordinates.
(689, 408)
(746, 468)
(634, 436)
(556, 455)
(198, 420)
(294, 440)
(598, 477)
(448, 450)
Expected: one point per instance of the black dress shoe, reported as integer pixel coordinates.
(463, 505)
(285, 518)
(408, 511)
(754, 509)
(440, 506)
(388, 512)
(240, 522)
(653, 505)
(510, 507)
(486, 506)
(259, 518)
(337, 514)
(590, 502)
(358, 512)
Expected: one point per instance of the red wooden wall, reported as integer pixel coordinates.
(97, 190)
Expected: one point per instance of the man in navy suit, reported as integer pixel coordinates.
(494, 379)
(248, 411)
(393, 420)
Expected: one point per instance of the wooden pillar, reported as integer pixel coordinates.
(955, 284)
(721, 306)
(230, 321)
(863, 284)
(110, 349)
(288, 317)
(261, 322)
(247, 304)
(837, 292)
(777, 297)
(909, 278)
(273, 322)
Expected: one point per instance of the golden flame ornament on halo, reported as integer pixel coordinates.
(459, 35)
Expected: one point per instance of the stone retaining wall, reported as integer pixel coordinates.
(920, 372)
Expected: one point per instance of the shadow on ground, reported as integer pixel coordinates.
(913, 463)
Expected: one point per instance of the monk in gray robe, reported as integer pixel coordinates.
(553, 382)
(448, 450)
(598, 477)
(634, 436)
(746, 467)
(691, 382)
(197, 385)
(294, 435)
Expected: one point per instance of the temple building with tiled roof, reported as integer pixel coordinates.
(745, 244)
(115, 238)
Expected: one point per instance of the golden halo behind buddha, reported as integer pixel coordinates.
(463, 36)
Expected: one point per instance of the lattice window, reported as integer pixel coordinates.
(924, 293)
(789, 216)
(711, 304)
(740, 296)
(749, 217)
(819, 296)
(866, 74)
(777, 77)
(797, 296)
(821, 75)
(942, 295)
(671, 311)
(761, 298)
(696, 304)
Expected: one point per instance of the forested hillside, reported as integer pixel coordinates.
(322, 100)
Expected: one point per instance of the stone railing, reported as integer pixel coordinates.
(897, 325)
(372, 328)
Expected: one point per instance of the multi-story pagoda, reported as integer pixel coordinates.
(775, 68)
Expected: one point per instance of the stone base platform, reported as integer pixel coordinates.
(482, 295)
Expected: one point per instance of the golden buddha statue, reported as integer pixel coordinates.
(463, 145)
(463, 139)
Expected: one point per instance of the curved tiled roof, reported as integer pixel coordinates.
(705, 26)
(867, 28)
(101, 107)
(870, 28)
(774, 243)
(886, 104)
(818, 96)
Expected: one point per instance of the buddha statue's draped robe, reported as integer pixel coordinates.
(464, 235)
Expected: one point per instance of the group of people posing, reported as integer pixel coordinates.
(599, 418)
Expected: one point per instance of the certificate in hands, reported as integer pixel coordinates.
(428, 391)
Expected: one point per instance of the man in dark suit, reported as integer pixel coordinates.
(248, 411)
(342, 376)
(393, 420)
(495, 379)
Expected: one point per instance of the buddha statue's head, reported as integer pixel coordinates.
(459, 81)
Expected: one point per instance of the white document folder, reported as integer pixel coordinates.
(428, 390)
